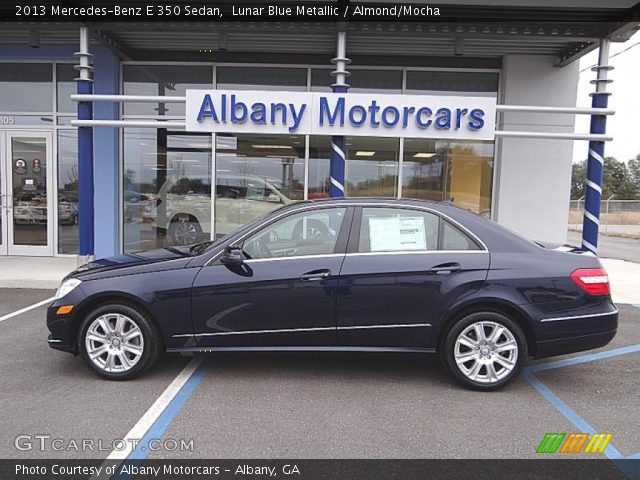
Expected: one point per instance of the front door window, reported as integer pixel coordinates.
(302, 234)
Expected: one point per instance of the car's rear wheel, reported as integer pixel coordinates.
(118, 342)
(484, 350)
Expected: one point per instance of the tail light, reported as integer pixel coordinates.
(594, 281)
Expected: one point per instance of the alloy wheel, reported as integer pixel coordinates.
(486, 352)
(185, 233)
(114, 343)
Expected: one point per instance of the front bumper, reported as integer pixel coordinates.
(63, 328)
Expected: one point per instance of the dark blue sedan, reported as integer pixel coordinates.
(357, 275)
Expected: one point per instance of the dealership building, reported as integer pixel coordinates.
(168, 170)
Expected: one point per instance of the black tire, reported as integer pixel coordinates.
(184, 231)
(151, 338)
(490, 377)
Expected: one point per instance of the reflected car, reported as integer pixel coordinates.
(186, 217)
(356, 275)
(30, 212)
(67, 213)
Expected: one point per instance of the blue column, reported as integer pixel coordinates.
(338, 160)
(85, 172)
(595, 162)
(106, 155)
(595, 173)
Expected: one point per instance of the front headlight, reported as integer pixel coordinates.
(66, 287)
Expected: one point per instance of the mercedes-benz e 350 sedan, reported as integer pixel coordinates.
(342, 275)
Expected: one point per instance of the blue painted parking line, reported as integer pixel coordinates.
(590, 357)
(576, 420)
(163, 422)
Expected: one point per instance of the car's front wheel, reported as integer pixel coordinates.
(118, 342)
(184, 230)
(484, 350)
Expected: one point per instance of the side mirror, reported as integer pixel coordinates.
(273, 198)
(232, 256)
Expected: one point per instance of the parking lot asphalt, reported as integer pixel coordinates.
(311, 405)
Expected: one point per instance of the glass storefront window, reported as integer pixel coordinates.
(439, 170)
(261, 78)
(256, 174)
(26, 87)
(68, 191)
(166, 188)
(456, 83)
(360, 80)
(371, 168)
(163, 80)
(65, 86)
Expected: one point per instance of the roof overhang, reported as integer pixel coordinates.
(487, 30)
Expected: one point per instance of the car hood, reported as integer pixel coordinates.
(131, 259)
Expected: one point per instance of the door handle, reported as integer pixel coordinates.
(445, 268)
(315, 275)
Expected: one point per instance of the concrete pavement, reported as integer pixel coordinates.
(612, 247)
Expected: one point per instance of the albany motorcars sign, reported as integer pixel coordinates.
(313, 113)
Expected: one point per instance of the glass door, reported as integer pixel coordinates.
(27, 200)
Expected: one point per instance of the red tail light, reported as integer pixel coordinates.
(594, 281)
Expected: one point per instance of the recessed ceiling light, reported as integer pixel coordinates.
(272, 146)
(363, 153)
(423, 155)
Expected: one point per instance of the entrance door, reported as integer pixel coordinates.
(26, 185)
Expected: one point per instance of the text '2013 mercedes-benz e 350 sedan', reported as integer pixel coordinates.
(342, 275)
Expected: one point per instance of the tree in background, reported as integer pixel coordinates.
(620, 179)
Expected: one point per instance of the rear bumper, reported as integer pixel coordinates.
(574, 344)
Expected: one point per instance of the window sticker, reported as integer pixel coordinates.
(397, 233)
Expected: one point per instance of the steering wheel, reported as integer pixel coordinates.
(315, 229)
(263, 249)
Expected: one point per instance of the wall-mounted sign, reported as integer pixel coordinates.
(382, 115)
(36, 165)
(20, 166)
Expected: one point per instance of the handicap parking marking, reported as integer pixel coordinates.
(590, 357)
(630, 469)
(162, 423)
(576, 420)
(26, 309)
(159, 416)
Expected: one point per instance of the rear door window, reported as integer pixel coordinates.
(408, 230)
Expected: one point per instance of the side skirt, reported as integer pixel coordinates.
(301, 349)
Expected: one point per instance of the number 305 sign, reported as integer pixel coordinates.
(7, 120)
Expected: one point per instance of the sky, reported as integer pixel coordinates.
(624, 99)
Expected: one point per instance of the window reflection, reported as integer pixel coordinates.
(65, 86)
(26, 87)
(439, 170)
(360, 80)
(262, 78)
(371, 166)
(166, 188)
(256, 174)
(68, 191)
(163, 80)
